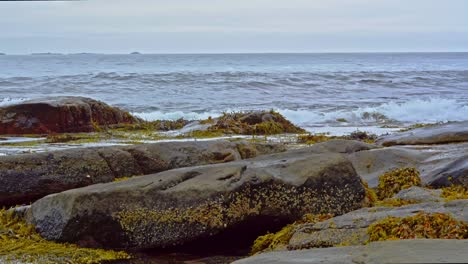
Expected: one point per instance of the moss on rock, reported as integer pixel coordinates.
(19, 243)
(390, 183)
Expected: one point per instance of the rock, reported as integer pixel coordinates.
(419, 194)
(341, 146)
(398, 251)
(19, 211)
(254, 123)
(25, 178)
(438, 134)
(60, 115)
(215, 204)
(455, 173)
(351, 228)
(439, 165)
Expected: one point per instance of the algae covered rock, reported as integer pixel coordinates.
(439, 165)
(437, 134)
(60, 115)
(353, 228)
(25, 178)
(254, 123)
(20, 243)
(196, 204)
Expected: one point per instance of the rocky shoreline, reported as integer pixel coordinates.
(218, 201)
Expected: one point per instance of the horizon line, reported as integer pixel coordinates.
(225, 53)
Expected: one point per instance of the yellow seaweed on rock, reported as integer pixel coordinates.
(421, 225)
(19, 243)
(454, 192)
(390, 183)
(271, 241)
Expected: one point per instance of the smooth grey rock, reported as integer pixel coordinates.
(399, 251)
(185, 205)
(439, 165)
(451, 132)
(420, 194)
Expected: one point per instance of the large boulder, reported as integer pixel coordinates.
(437, 134)
(60, 115)
(218, 203)
(399, 251)
(25, 178)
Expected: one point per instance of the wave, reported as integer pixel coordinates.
(414, 111)
(400, 113)
(159, 115)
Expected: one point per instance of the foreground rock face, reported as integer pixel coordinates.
(438, 134)
(191, 204)
(351, 228)
(399, 251)
(25, 178)
(59, 115)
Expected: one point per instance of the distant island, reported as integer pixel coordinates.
(2, 53)
(135, 53)
(46, 53)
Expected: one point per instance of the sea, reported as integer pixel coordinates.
(336, 93)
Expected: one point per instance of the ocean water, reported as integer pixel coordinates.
(316, 91)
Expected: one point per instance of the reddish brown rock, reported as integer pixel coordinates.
(60, 115)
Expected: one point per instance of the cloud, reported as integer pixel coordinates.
(155, 19)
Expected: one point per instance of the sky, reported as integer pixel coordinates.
(233, 26)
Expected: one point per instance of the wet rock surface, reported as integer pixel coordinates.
(451, 132)
(25, 178)
(200, 204)
(400, 251)
(60, 115)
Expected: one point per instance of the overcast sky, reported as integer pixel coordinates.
(214, 26)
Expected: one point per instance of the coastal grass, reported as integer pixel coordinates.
(20, 243)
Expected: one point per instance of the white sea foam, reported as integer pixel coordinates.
(159, 115)
(414, 111)
(11, 101)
